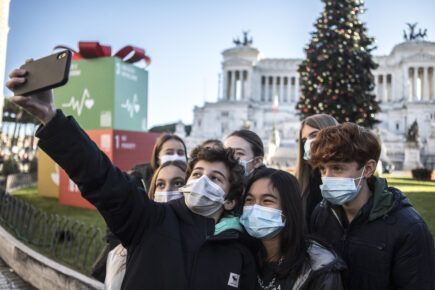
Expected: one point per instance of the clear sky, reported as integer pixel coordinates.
(185, 38)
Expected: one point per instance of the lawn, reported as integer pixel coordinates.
(52, 205)
(421, 194)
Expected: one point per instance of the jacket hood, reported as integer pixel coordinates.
(385, 199)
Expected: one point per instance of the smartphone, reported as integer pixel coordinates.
(45, 73)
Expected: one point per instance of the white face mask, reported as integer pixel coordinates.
(165, 196)
(340, 190)
(203, 196)
(307, 149)
(245, 163)
(174, 157)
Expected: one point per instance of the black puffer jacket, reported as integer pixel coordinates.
(322, 271)
(387, 246)
(169, 247)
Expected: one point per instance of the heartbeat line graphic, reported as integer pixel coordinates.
(131, 107)
(78, 105)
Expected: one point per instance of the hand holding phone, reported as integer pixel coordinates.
(33, 82)
(45, 73)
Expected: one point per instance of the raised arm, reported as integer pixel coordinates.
(125, 207)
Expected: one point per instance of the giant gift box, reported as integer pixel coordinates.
(107, 95)
(48, 175)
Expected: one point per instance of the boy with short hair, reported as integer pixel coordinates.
(382, 238)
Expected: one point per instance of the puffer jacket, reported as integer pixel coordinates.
(386, 246)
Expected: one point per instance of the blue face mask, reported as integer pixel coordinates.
(262, 222)
(340, 190)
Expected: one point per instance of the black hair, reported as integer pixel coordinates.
(253, 139)
(293, 241)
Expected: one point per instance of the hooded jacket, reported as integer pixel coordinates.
(386, 246)
(168, 246)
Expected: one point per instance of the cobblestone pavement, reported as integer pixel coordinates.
(10, 280)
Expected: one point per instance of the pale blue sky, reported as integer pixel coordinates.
(185, 38)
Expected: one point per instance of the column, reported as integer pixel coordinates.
(234, 86)
(433, 84)
(385, 89)
(413, 85)
(229, 82)
(266, 89)
(242, 83)
(425, 85)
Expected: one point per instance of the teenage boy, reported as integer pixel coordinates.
(382, 238)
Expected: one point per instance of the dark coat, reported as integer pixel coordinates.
(387, 246)
(322, 271)
(169, 247)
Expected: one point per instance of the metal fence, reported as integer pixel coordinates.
(59, 237)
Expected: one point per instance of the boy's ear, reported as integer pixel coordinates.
(370, 168)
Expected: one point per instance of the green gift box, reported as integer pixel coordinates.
(105, 93)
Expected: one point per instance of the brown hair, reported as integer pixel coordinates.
(155, 162)
(225, 155)
(181, 165)
(303, 168)
(253, 139)
(345, 143)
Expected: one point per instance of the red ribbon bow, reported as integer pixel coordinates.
(93, 49)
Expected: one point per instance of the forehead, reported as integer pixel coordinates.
(170, 172)
(349, 165)
(307, 130)
(262, 186)
(237, 142)
(209, 167)
(172, 144)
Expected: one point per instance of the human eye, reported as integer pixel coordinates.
(249, 200)
(196, 174)
(178, 183)
(160, 185)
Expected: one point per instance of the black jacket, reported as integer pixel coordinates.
(321, 271)
(387, 246)
(169, 247)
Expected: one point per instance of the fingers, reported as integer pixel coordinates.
(18, 72)
(15, 82)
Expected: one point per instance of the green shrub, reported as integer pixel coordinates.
(421, 174)
(10, 166)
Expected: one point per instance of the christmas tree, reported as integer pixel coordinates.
(336, 76)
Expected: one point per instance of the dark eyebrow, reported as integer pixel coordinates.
(269, 195)
(220, 173)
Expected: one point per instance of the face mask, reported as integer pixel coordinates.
(262, 222)
(307, 149)
(165, 196)
(174, 157)
(203, 196)
(245, 163)
(340, 190)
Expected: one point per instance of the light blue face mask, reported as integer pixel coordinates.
(262, 222)
(244, 164)
(340, 190)
(307, 149)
